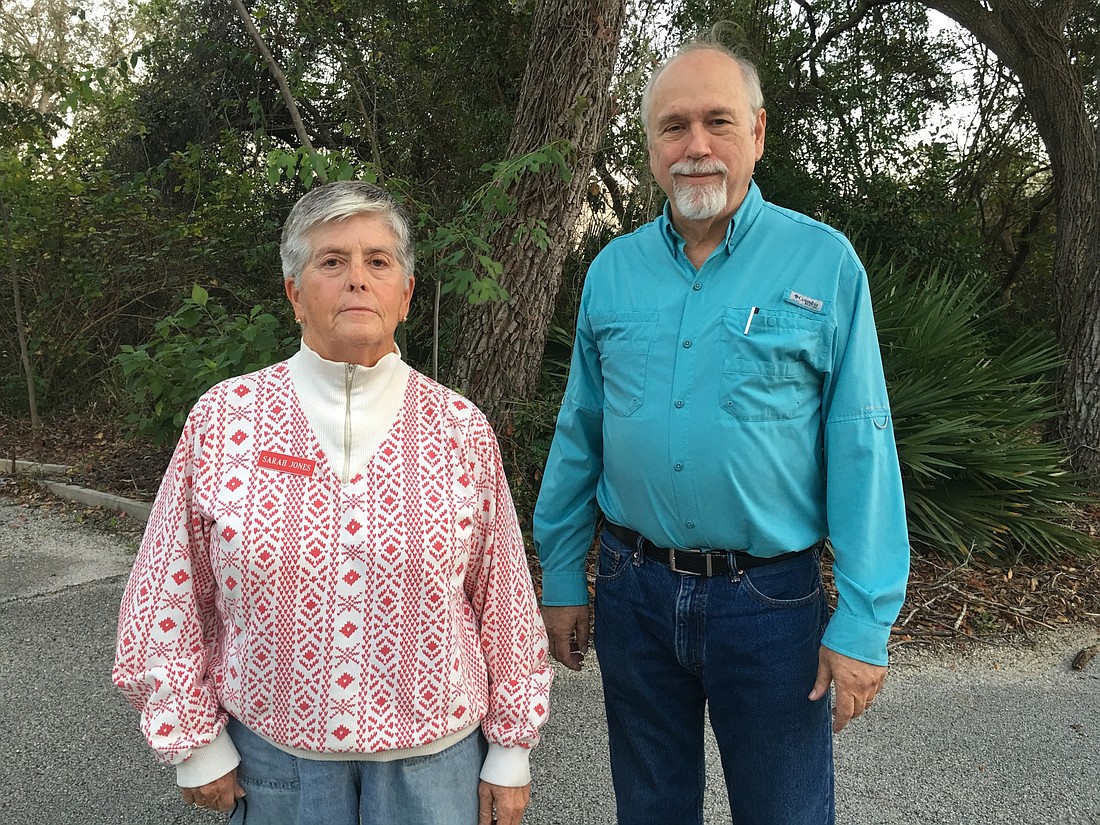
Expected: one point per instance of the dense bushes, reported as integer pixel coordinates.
(968, 421)
(101, 259)
(197, 346)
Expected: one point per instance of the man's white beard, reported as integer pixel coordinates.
(695, 201)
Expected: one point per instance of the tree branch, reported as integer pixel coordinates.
(834, 31)
(281, 82)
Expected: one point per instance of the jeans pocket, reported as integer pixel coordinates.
(454, 759)
(794, 583)
(263, 766)
(613, 559)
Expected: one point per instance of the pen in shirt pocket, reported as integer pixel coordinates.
(752, 314)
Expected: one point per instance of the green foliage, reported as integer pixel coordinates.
(380, 81)
(458, 249)
(197, 346)
(968, 421)
(101, 259)
(307, 166)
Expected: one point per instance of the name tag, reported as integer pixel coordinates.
(286, 463)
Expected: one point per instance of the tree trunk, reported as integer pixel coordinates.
(565, 95)
(1028, 38)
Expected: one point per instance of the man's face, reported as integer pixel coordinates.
(703, 140)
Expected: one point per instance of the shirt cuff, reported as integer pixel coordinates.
(564, 589)
(508, 767)
(855, 639)
(208, 763)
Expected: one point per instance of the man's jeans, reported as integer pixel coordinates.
(747, 645)
(280, 789)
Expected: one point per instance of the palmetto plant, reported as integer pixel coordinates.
(968, 420)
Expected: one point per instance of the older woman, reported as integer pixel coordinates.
(331, 618)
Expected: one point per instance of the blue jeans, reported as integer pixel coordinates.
(670, 645)
(281, 789)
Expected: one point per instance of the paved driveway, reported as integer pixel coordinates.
(1004, 736)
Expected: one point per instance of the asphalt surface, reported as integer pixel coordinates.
(1001, 736)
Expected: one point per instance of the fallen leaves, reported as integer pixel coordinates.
(1082, 659)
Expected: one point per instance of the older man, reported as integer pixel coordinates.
(726, 411)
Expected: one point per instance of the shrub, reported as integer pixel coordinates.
(197, 346)
(968, 421)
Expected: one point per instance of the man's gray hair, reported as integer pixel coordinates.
(338, 201)
(754, 94)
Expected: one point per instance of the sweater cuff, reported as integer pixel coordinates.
(208, 763)
(507, 767)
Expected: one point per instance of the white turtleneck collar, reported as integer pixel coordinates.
(350, 407)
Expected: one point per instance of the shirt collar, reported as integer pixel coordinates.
(742, 219)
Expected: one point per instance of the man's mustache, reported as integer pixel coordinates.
(699, 167)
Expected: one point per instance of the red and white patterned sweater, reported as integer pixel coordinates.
(382, 614)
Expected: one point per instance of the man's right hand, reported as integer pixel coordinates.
(567, 630)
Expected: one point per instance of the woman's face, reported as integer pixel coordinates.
(353, 292)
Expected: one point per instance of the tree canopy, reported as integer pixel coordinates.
(146, 149)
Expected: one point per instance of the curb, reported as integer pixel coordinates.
(33, 468)
(139, 510)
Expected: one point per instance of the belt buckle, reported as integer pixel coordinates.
(675, 569)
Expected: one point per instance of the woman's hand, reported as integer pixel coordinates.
(502, 804)
(219, 795)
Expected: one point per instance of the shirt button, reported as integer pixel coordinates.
(679, 404)
(687, 344)
(678, 467)
(690, 525)
(696, 286)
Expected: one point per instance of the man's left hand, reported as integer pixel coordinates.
(506, 803)
(856, 685)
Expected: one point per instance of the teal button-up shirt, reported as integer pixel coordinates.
(741, 405)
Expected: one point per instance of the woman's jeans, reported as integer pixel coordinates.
(281, 789)
(744, 646)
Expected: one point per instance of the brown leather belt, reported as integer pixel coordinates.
(702, 563)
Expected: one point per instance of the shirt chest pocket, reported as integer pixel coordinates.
(623, 339)
(774, 367)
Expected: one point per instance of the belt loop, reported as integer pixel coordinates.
(735, 569)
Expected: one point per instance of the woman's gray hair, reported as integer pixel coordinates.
(754, 94)
(338, 201)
